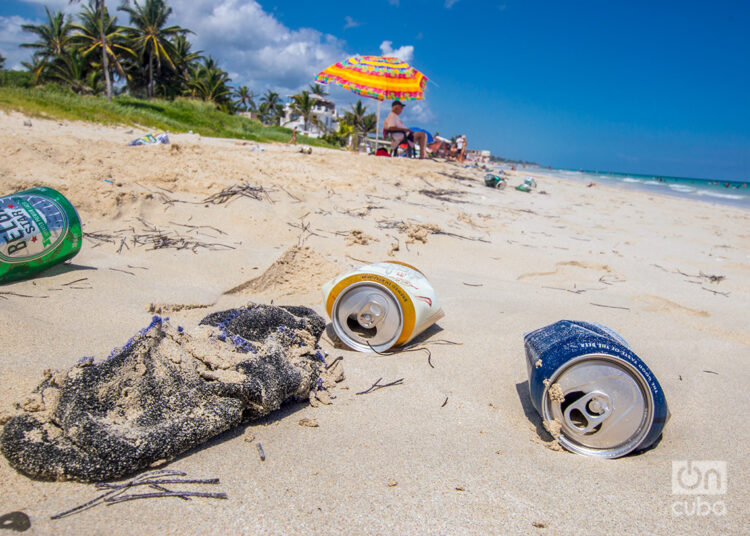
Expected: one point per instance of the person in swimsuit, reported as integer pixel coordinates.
(398, 131)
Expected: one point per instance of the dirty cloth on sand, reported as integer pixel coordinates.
(166, 391)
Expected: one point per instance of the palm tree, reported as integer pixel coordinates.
(72, 70)
(369, 124)
(184, 57)
(209, 82)
(245, 98)
(151, 36)
(355, 115)
(317, 89)
(361, 122)
(271, 108)
(54, 37)
(98, 32)
(36, 67)
(302, 105)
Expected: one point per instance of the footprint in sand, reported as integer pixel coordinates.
(574, 274)
(691, 318)
(657, 304)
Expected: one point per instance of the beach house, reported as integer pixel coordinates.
(324, 112)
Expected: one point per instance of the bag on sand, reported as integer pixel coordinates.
(164, 392)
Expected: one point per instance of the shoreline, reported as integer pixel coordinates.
(706, 191)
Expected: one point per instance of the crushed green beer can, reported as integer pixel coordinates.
(38, 229)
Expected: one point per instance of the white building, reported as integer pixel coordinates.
(324, 111)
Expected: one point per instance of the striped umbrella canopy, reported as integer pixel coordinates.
(376, 77)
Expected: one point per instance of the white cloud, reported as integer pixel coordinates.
(404, 53)
(449, 3)
(254, 44)
(351, 23)
(250, 43)
(65, 5)
(418, 113)
(11, 35)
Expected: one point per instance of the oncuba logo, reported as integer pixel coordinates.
(699, 478)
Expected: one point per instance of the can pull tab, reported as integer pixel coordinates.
(588, 412)
(372, 312)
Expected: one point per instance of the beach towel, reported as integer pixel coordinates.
(150, 139)
(164, 392)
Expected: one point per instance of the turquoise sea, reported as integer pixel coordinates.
(724, 192)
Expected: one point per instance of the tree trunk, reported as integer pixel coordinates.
(150, 91)
(105, 59)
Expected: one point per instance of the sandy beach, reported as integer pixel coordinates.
(457, 448)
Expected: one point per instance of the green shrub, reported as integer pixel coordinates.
(21, 79)
(179, 115)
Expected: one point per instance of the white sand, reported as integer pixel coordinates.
(478, 465)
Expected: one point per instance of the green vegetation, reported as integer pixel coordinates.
(179, 115)
(149, 58)
(151, 77)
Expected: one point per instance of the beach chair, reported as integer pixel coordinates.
(405, 145)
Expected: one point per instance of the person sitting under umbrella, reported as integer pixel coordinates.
(398, 131)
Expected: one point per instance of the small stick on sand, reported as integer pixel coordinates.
(377, 385)
(123, 271)
(725, 294)
(610, 306)
(261, 452)
(339, 358)
(290, 195)
(116, 490)
(444, 403)
(358, 260)
(106, 485)
(184, 494)
(76, 281)
(454, 235)
(405, 350)
(20, 295)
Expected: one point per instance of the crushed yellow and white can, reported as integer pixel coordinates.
(376, 307)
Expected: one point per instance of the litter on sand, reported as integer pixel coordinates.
(150, 139)
(166, 391)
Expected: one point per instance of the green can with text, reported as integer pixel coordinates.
(38, 229)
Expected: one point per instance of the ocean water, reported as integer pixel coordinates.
(713, 191)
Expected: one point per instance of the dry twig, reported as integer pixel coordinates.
(377, 385)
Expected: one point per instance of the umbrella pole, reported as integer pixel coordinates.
(377, 128)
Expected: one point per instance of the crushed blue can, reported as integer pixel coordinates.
(596, 396)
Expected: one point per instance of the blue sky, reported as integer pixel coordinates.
(643, 87)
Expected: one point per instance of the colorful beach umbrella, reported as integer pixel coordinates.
(376, 77)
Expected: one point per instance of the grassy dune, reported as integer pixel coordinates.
(180, 115)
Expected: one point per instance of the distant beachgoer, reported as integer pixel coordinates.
(398, 131)
(454, 151)
(460, 148)
(293, 141)
(463, 147)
